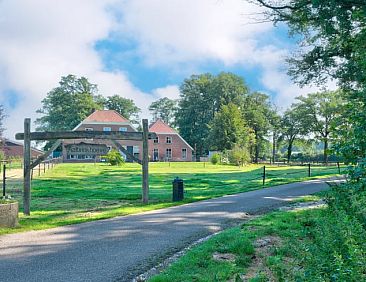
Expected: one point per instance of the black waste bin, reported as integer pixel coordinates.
(178, 189)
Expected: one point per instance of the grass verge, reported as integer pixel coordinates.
(322, 244)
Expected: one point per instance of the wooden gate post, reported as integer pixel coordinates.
(145, 161)
(26, 167)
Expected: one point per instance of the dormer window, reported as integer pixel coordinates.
(169, 140)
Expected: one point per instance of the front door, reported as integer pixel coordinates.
(130, 150)
(156, 155)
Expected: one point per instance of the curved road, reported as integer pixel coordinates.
(120, 248)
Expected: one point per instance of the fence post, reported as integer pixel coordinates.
(339, 168)
(309, 169)
(264, 175)
(4, 179)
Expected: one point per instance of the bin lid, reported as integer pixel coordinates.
(177, 179)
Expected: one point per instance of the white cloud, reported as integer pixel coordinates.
(179, 31)
(170, 91)
(42, 40)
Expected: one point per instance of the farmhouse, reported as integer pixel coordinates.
(168, 146)
(13, 149)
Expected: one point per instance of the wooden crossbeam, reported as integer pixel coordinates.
(110, 135)
(120, 147)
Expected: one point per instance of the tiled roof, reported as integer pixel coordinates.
(160, 127)
(105, 116)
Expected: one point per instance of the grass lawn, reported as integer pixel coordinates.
(74, 193)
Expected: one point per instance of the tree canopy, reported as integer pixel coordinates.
(68, 104)
(165, 109)
(126, 107)
(202, 96)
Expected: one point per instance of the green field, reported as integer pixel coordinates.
(74, 193)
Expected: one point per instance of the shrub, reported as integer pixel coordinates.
(336, 250)
(215, 158)
(239, 155)
(114, 157)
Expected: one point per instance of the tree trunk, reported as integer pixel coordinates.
(289, 151)
(274, 147)
(256, 148)
(326, 151)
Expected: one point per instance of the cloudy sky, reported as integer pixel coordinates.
(139, 49)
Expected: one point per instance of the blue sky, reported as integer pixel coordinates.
(139, 49)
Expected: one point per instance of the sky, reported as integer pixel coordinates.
(139, 49)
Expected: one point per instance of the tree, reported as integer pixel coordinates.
(202, 96)
(68, 104)
(331, 36)
(125, 107)
(228, 129)
(257, 113)
(291, 128)
(164, 109)
(318, 112)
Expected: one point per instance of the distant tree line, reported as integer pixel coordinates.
(213, 113)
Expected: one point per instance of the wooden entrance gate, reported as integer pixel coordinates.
(29, 136)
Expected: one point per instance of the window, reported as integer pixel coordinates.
(123, 129)
(184, 153)
(168, 154)
(89, 129)
(156, 140)
(169, 140)
(107, 129)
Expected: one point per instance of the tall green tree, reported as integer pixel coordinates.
(196, 111)
(165, 109)
(202, 96)
(257, 112)
(318, 112)
(291, 128)
(228, 128)
(331, 36)
(68, 104)
(126, 107)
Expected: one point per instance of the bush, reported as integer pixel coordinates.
(336, 250)
(114, 157)
(239, 155)
(215, 159)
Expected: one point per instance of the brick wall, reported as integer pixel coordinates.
(176, 146)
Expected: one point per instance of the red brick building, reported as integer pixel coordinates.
(13, 149)
(168, 146)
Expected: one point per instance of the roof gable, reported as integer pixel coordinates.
(105, 116)
(161, 127)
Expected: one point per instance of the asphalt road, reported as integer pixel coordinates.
(118, 249)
